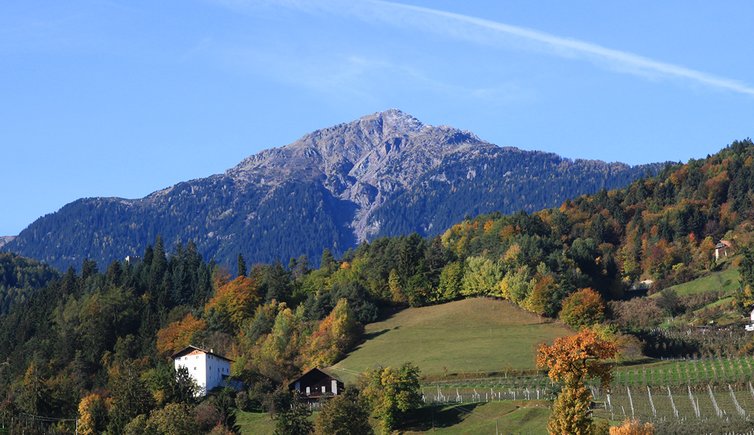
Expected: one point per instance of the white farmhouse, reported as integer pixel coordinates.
(208, 369)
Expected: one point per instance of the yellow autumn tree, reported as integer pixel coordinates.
(275, 353)
(583, 308)
(92, 415)
(541, 300)
(234, 302)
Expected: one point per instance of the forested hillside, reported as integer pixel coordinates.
(109, 333)
(385, 174)
(19, 278)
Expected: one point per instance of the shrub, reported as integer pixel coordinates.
(207, 415)
(633, 427)
(637, 313)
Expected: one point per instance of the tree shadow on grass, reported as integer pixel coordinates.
(370, 335)
(438, 416)
(375, 334)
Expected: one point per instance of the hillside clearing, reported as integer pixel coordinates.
(725, 281)
(469, 336)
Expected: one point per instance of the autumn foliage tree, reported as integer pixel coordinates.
(391, 393)
(177, 335)
(275, 353)
(336, 334)
(233, 303)
(92, 415)
(633, 427)
(345, 414)
(570, 361)
(583, 308)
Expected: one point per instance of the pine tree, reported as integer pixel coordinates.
(241, 265)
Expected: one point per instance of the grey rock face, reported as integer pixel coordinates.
(4, 240)
(364, 162)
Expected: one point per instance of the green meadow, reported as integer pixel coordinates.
(471, 336)
(725, 281)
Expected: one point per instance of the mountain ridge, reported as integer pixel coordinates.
(385, 173)
(4, 240)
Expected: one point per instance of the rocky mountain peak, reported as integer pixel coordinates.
(390, 122)
(359, 148)
(364, 161)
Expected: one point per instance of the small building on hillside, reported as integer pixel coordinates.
(722, 248)
(208, 369)
(317, 384)
(750, 326)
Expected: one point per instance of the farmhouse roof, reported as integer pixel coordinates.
(314, 372)
(191, 348)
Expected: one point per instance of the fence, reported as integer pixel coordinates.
(29, 424)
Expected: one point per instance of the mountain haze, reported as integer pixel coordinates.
(383, 174)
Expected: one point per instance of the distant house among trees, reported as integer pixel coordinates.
(208, 369)
(750, 326)
(722, 248)
(317, 384)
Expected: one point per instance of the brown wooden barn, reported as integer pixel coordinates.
(317, 384)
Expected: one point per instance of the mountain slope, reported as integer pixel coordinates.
(19, 278)
(383, 174)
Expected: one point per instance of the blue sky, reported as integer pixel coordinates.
(121, 98)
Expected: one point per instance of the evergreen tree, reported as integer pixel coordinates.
(241, 265)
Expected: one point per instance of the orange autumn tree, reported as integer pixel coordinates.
(334, 337)
(571, 361)
(633, 427)
(177, 335)
(234, 302)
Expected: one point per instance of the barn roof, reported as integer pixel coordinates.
(315, 372)
(191, 348)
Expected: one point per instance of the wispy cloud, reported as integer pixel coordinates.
(481, 30)
(356, 76)
(622, 60)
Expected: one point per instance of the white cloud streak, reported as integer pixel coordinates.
(626, 61)
(459, 26)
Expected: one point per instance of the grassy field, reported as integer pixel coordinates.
(509, 417)
(469, 336)
(726, 280)
(255, 422)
